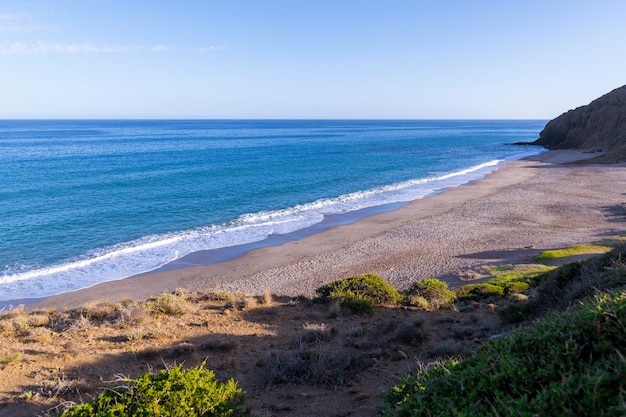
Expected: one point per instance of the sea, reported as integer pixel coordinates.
(88, 201)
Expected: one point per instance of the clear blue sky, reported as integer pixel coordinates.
(307, 59)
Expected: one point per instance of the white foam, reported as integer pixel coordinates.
(152, 252)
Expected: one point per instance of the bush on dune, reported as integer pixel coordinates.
(361, 293)
(431, 290)
(477, 292)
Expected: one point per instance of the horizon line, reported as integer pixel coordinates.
(254, 119)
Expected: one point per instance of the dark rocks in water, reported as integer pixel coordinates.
(598, 126)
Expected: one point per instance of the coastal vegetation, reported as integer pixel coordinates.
(567, 285)
(548, 338)
(173, 392)
(573, 251)
(569, 361)
(429, 293)
(361, 293)
(568, 364)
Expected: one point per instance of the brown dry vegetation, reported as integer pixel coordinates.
(292, 356)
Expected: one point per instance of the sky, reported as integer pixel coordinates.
(321, 59)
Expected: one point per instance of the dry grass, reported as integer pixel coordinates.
(250, 303)
(219, 346)
(39, 319)
(4, 359)
(12, 312)
(55, 387)
(167, 304)
(131, 315)
(99, 311)
(39, 335)
(143, 333)
(449, 348)
(314, 333)
(223, 296)
(82, 322)
(267, 298)
(277, 348)
(334, 309)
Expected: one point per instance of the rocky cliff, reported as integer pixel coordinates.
(600, 125)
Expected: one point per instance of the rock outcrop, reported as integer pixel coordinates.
(598, 126)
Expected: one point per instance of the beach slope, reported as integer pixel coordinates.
(522, 208)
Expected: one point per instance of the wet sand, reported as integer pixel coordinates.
(521, 209)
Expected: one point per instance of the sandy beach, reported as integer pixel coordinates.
(521, 209)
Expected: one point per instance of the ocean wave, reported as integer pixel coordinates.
(152, 252)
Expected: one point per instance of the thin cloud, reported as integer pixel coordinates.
(17, 23)
(48, 48)
(44, 48)
(159, 48)
(210, 49)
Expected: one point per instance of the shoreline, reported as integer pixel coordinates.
(501, 218)
(219, 255)
(162, 252)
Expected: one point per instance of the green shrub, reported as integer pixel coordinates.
(478, 292)
(167, 304)
(361, 293)
(417, 301)
(515, 287)
(435, 292)
(462, 332)
(516, 312)
(568, 364)
(172, 393)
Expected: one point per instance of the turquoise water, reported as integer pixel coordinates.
(83, 202)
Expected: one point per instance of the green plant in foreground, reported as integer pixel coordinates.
(173, 393)
(434, 291)
(361, 293)
(567, 364)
